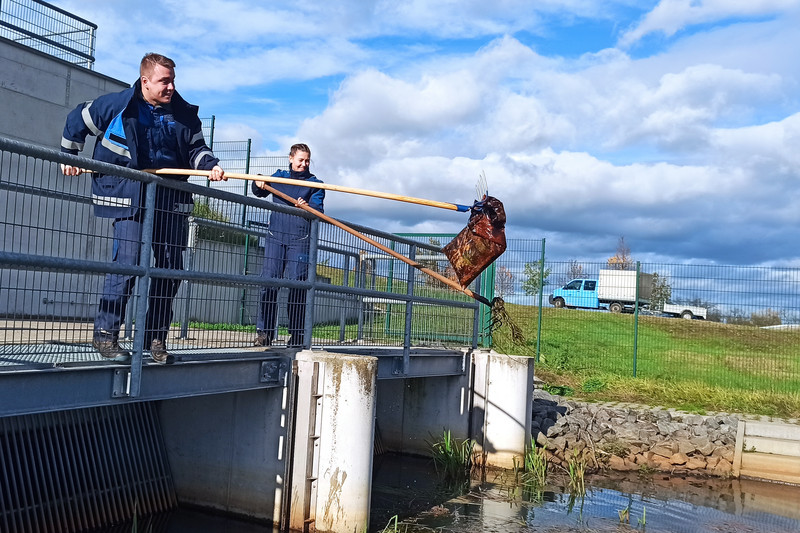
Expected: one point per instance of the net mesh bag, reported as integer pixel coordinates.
(480, 243)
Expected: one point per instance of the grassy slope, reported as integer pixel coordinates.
(694, 365)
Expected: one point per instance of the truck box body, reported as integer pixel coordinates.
(620, 286)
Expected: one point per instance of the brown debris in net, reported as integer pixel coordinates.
(500, 317)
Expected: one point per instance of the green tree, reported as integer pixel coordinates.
(661, 293)
(533, 277)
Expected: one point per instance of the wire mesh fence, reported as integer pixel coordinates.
(724, 326)
(49, 29)
(744, 332)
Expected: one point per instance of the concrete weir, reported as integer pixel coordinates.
(301, 455)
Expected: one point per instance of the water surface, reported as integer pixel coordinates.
(617, 502)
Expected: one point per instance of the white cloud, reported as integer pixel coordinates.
(672, 16)
(689, 151)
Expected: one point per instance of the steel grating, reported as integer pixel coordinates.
(76, 470)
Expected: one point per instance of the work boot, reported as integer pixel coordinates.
(262, 339)
(158, 351)
(109, 348)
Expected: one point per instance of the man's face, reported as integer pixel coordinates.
(159, 86)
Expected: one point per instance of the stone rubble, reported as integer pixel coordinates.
(620, 437)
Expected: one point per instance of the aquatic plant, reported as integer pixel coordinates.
(576, 467)
(535, 465)
(453, 459)
(530, 475)
(624, 515)
(391, 526)
(643, 519)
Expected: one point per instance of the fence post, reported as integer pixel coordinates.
(245, 224)
(143, 289)
(246, 183)
(636, 318)
(190, 245)
(311, 294)
(246, 260)
(412, 254)
(211, 143)
(485, 287)
(541, 298)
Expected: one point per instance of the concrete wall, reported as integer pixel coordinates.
(223, 303)
(226, 451)
(37, 91)
(492, 403)
(229, 452)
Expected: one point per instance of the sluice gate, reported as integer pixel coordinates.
(82, 469)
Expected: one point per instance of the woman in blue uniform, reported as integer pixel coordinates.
(287, 246)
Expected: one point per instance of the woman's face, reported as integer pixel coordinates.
(300, 160)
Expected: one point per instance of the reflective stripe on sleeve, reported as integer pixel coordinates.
(71, 145)
(197, 137)
(87, 119)
(199, 157)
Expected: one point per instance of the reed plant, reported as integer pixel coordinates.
(535, 465)
(453, 459)
(530, 474)
(391, 526)
(576, 467)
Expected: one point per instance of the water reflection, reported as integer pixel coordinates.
(613, 502)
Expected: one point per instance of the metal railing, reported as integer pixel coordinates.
(49, 29)
(55, 255)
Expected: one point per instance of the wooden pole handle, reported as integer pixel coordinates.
(315, 185)
(449, 282)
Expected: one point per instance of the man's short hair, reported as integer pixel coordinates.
(149, 62)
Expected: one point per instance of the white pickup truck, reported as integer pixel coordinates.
(685, 311)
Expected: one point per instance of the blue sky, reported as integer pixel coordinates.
(673, 123)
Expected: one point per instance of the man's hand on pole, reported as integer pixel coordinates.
(69, 170)
(217, 174)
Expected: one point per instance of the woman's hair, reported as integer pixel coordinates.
(299, 147)
(149, 62)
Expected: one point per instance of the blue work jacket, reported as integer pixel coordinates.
(116, 120)
(290, 226)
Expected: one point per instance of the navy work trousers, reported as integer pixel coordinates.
(170, 233)
(285, 256)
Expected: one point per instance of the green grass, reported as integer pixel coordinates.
(690, 364)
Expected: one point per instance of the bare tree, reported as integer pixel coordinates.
(504, 282)
(622, 260)
(574, 271)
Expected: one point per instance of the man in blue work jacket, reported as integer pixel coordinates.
(146, 126)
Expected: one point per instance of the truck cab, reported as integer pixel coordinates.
(576, 293)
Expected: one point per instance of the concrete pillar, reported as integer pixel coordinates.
(331, 481)
(502, 406)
